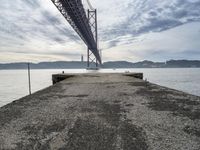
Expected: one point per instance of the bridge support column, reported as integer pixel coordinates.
(91, 59)
(92, 62)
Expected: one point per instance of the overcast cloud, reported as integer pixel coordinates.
(129, 30)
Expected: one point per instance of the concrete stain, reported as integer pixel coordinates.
(90, 135)
(161, 101)
(192, 130)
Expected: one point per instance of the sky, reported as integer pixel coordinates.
(129, 30)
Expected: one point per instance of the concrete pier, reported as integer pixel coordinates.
(60, 77)
(102, 112)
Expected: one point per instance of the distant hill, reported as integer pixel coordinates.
(113, 64)
(46, 65)
(125, 64)
(183, 63)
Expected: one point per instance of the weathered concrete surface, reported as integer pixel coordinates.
(102, 112)
(60, 77)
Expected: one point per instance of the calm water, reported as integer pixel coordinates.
(14, 83)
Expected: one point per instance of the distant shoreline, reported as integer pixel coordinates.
(105, 65)
(103, 68)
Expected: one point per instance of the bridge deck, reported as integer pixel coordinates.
(102, 112)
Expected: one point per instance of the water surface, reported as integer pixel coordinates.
(14, 83)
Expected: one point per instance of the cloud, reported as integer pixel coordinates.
(143, 16)
(176, 43)
(37, 27)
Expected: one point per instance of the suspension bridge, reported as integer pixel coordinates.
(84, 22)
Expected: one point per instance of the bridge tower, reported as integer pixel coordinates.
(92, 20)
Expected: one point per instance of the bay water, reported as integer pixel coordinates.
(14, 83)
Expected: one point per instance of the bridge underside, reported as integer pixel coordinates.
(74, 13)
